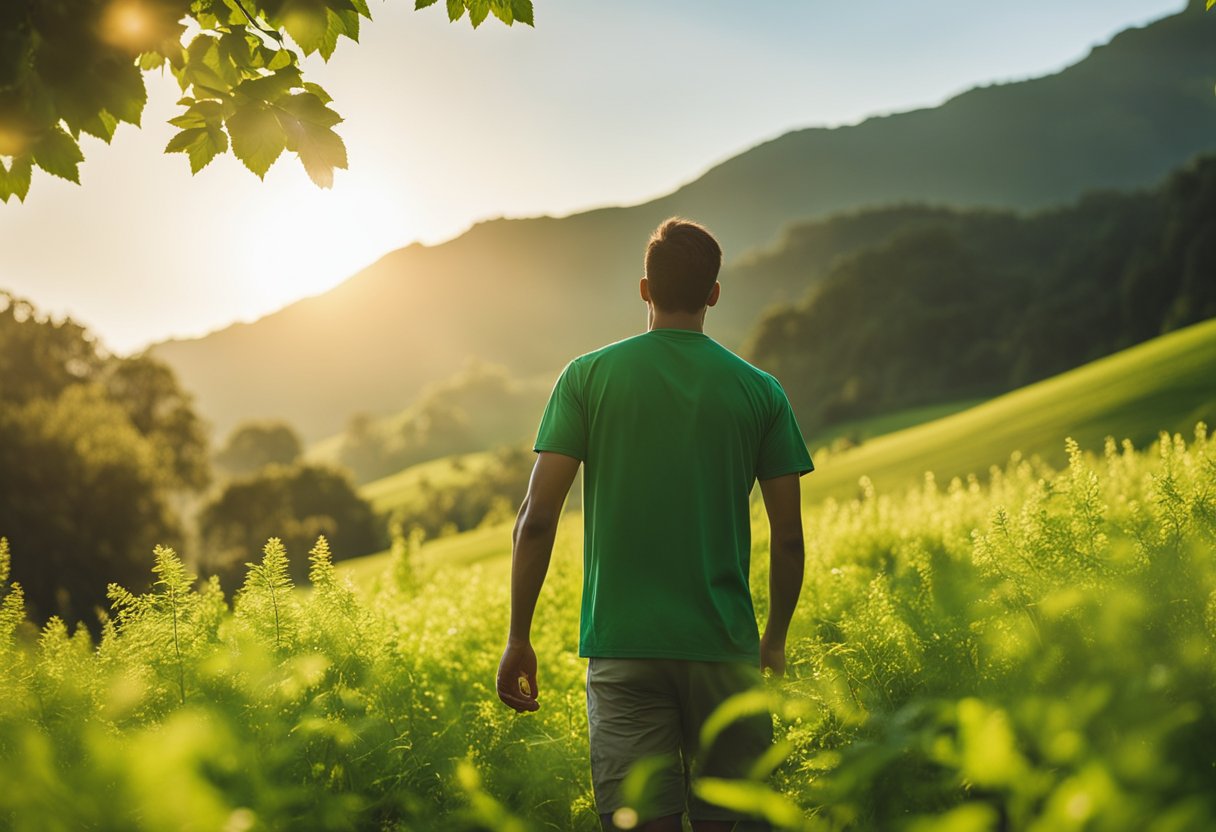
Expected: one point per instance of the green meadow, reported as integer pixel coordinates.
(1032, 652)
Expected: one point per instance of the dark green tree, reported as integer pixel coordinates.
(162, 411)
(82, 499)
(296, 504)
(91, 448)
(76, 66)
(39, 356)
(254, 445)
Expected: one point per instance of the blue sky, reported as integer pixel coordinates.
(602, 103)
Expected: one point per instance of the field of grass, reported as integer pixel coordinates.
(1031, 654)
(862, 430)
(1031, 651)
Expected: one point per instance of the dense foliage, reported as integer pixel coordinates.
(953, 305)
(254, 445)
(93, 450)
(76, 66)
(296, 503)
(1036, 653)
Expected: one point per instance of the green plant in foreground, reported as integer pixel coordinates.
(12, 604)
(1033, 653)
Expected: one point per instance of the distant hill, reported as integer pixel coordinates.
(529, 293)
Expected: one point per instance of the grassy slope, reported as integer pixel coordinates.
(401, 489)
(1166, 384)
(863, 430)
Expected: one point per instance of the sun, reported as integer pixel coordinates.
(309, 239)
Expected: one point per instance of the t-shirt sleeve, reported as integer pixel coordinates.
(563, 427)
(782, 449)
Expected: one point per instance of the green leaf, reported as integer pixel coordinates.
(970, 817)
(306, 21)
(307, 107)
(151, 60)
(455, 10)
(522, 11)
(643, 785)
(282, 58)
(422, 4)
(58, 154)
(199, 115)
(318, 91)
(339, 23)
(742, 705)
(15, 179)
(503, 11)
(750, 798)
(119, 89)
(205, 70)
(478, 11)
(271, 87)
(320, 150)
(202, 144)
(257, 137)
(102, 125)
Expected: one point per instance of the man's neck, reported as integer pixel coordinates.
(676, 320)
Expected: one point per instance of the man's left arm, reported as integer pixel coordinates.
(532, 547)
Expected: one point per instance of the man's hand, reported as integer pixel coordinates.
(772, 654)
(518, 668)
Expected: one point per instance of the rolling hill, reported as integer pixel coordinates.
(528, 293)
(1168, 383)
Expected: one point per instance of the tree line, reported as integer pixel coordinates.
(103, 457)
(951, 305)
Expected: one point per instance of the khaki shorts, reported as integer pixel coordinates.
(638, 708)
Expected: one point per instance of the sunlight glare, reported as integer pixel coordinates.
(127, 23)
(309, 240)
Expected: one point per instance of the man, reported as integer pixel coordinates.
(674, 430)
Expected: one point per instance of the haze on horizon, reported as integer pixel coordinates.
(600, 104)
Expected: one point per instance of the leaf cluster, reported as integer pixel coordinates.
(73, 67)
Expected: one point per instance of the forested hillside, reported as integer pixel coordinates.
(519, 292)
(959, 305)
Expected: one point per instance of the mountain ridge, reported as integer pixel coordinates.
(418, 313)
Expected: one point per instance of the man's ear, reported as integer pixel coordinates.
(714, 293)
(644, 288)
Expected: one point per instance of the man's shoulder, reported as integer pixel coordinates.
(622, 346)
(747, 370)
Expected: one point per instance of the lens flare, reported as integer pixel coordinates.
(129, 24)
(13, 142)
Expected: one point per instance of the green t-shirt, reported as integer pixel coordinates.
(673, 430)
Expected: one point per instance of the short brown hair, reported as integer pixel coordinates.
(682, 263)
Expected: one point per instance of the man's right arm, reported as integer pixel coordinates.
(783, 504)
